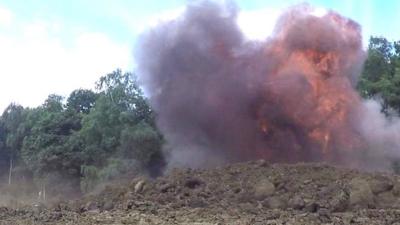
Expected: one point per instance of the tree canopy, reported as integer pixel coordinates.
(97, 134)
(380, 78)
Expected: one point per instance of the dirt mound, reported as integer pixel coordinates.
(245, 193)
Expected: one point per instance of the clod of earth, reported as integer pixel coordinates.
(253, 194)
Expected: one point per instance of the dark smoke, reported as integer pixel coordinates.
(222, 98)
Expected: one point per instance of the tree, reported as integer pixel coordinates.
(116, 120)
(93, 137)
(51, 148)
(53, 103)
(381, 73)
(143, 143)
(4, 156)
(123, 91)
(81, 101)
(12, 134)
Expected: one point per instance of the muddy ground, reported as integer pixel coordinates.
(245, 193)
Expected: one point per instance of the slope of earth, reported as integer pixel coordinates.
(244, 193)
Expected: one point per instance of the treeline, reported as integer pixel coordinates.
(380, 78)
(71, 145)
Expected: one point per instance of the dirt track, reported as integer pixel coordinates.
(246, 193)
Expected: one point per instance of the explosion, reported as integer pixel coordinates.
(310, 84)
(289, 98)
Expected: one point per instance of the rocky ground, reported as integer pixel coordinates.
(245, 193)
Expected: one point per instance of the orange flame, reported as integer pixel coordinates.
(327, 93)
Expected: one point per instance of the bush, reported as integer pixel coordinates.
(141, 143)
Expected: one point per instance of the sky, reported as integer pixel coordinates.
(54, 47)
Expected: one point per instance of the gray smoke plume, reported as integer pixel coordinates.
(222, 98)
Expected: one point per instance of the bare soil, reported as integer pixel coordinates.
(244, 193)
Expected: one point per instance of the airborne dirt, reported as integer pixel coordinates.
(245, 193)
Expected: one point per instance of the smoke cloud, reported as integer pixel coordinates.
(289, 98)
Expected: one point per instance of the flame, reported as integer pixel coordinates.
(329, 96)
(264, 126)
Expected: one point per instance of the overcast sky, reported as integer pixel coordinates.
(51, 46)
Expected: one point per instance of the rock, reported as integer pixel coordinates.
(247, 207)
(326, 191)
(396, 188)
(237, 190)
(323, 212)
(166, 187)
(311, 207)
(340, 202)
(56, 216)
(380, 184)
(324, 215)
(263, 189)
(90, 206)
(57, 208)
(276, 203)
(296, 203)
(108, 205)
(307, 181)
(196, 203)
(130, 204)
(244, 196)
(386, 199)
(193, 183)
(139, 186)
(262, 163)
(360, 193)
(39, 207)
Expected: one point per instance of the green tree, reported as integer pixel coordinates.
(93, 137)
(53, 103)
(12, 135)
(81, 100)
(51, 147)
(115, 121)
(140, 142)
(381, 74)
(11, 120)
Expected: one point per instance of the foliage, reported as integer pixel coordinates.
(81, 101)
(90, 178)
(141, 142)
(84, 141)
(381, 74)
